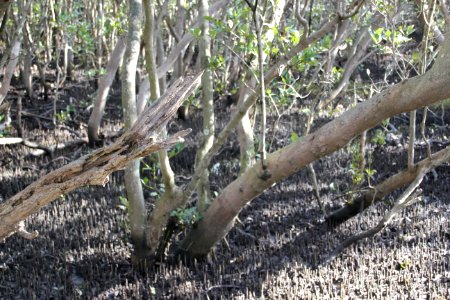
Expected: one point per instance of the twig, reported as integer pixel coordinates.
(221, 286)
(19, 116)
(412, 139)
(28, 114)
(316, 187)
(21, 231)
(422, 130)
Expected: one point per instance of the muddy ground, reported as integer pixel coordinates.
(274, 252)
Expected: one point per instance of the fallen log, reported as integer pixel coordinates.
(94, 168)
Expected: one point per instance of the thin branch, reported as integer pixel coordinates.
(351, 10)
(258, 29)
(401, 203)
(412, 139)
(300, 18)
(378, 192)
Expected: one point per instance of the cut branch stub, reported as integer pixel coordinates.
(94, 168)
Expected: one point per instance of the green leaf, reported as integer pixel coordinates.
(294, 137)
(294, 36)
(415, 56)
(377, 35)
(305, 111)
(197, 32)
(388, 33)
(370, 172)
(124, 201)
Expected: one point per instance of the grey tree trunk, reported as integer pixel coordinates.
(104, 85)
(137, 210)
(203, 190)
(13, 57)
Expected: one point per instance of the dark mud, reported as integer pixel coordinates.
(83, 251)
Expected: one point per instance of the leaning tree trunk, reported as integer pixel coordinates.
(408, 95)
(104, 84)
(135, 196)
(13, 55)
(244, 107)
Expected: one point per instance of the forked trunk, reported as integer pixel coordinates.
(410, 94)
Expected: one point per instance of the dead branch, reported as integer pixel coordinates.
(403, 201)
(406, 198)
(43, 149)
(94, 168)
(395, 182)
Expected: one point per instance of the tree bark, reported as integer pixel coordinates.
(408, 95)
(166, 203)
(244, 129)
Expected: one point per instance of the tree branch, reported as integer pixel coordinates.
(386, 187)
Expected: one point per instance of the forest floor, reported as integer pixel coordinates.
(274, 252)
